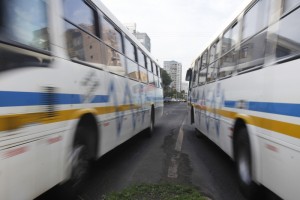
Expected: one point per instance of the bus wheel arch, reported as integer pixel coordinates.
(89, 122)
(244, 159)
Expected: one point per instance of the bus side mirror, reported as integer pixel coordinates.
(188, 75)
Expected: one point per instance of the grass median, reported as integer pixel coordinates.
(165, 191)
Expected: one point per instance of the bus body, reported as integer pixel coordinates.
(74, 84)
(243, 95)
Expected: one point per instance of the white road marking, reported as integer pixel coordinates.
(173, 168)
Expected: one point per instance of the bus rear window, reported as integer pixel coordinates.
(25, 22)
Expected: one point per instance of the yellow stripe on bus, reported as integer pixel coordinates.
(14, 121)
(285, 128)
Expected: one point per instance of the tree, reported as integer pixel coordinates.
(166, 79)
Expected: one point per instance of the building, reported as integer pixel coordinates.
(174, 69)
(142, 37)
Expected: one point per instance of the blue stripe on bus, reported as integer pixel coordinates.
(269, 107)
(229, 104)
(100, 99)
(9, 98)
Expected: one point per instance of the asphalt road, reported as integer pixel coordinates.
(172, 154)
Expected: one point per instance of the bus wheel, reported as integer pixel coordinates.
(80, 158)
(243, 164)
(151, 127)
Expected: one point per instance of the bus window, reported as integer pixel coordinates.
(81, 45)
(130, 50)
(143, 75)
(149, 66)
(111, 36)
(288, 42)
(25, 22)
(234, 34)
(252, 50)
(195, 73)
(154, 70)
(288, 4)
(212, 72)
(230, 38)
(255, 19)
(212, 53)
(151, 79)
(156, 81)
(226, 41)
(227, 64)
(158, 71)
(152, 66)
(132, 70)
(141, 58)
(80, 14)
(203, 69)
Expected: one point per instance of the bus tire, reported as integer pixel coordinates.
(244, 165)
(150, 129)
(192, 115)
(81, 158)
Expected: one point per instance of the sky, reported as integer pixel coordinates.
(178, 29)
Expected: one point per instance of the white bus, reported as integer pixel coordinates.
(74, 84)
(244, 97)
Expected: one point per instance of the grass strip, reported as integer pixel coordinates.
(165, 191)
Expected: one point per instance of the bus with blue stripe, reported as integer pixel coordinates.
(74, 84)
(243, 95)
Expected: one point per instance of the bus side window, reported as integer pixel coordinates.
(141, 58)
(288, 41)
(154, 69)
(132, 66)
(73, 12)
(212, 72)
(196, 73)
(252, 50)
(152, 66)
(130, 50)
(25, 22)
(113, 38)
(142, 67)
(203, 71)
(149, 65)
(229, 57)
(151, 78)
(288, 4)
(156, 81)
(157, 71)
(82, 43)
